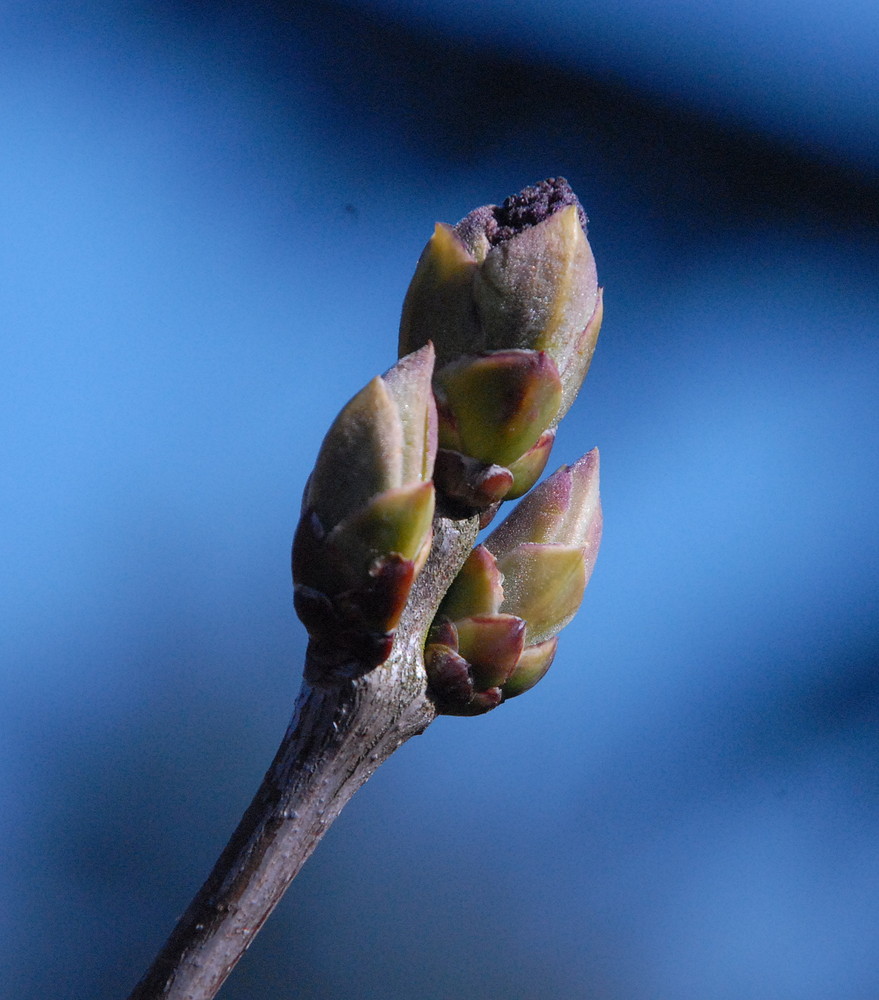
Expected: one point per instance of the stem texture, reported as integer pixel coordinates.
(342, 729)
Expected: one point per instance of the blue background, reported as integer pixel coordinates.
(210, 214)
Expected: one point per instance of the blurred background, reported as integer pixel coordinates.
(210, 214)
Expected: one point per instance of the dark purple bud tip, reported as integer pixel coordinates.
(444, 633)
(450, 684)
(343, 642)
(388, 592)
(370, 649)
(307, 545)
(519, 212)
(492, 645)
(448, 674)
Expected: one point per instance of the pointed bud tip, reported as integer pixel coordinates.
(408, 384)
(417, 364)
(528, 469)
(591, 461)
(448, 252)
(477, 589)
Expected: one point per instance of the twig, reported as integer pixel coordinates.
(507, 305)
(339, 735)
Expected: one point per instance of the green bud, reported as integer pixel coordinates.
(397, 520)
(518, 275)
(546, 549)
(439, 304)
(409, 386)
(385, 437)
(539, 290)
(361, 456)
(544, 584)
(367, 514)
(532, 569)
(496, 407)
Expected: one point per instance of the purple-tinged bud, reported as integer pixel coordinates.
(532, 570)
(564, 509)
(469, 485)
(367, 513)
(546, 549)
(517, 275)
(451, 684)
(470, 661)
(539, 291)
(492, 645)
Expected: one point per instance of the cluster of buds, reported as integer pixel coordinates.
(510, 299)
(498, 329)
(366, 523)
(496, 632)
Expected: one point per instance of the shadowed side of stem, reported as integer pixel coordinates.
(340, 733)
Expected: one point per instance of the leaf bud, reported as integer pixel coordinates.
(520, 275)
(532, 570)
(367, 512)
(496, 407)
(509, 296)
(546, 548)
